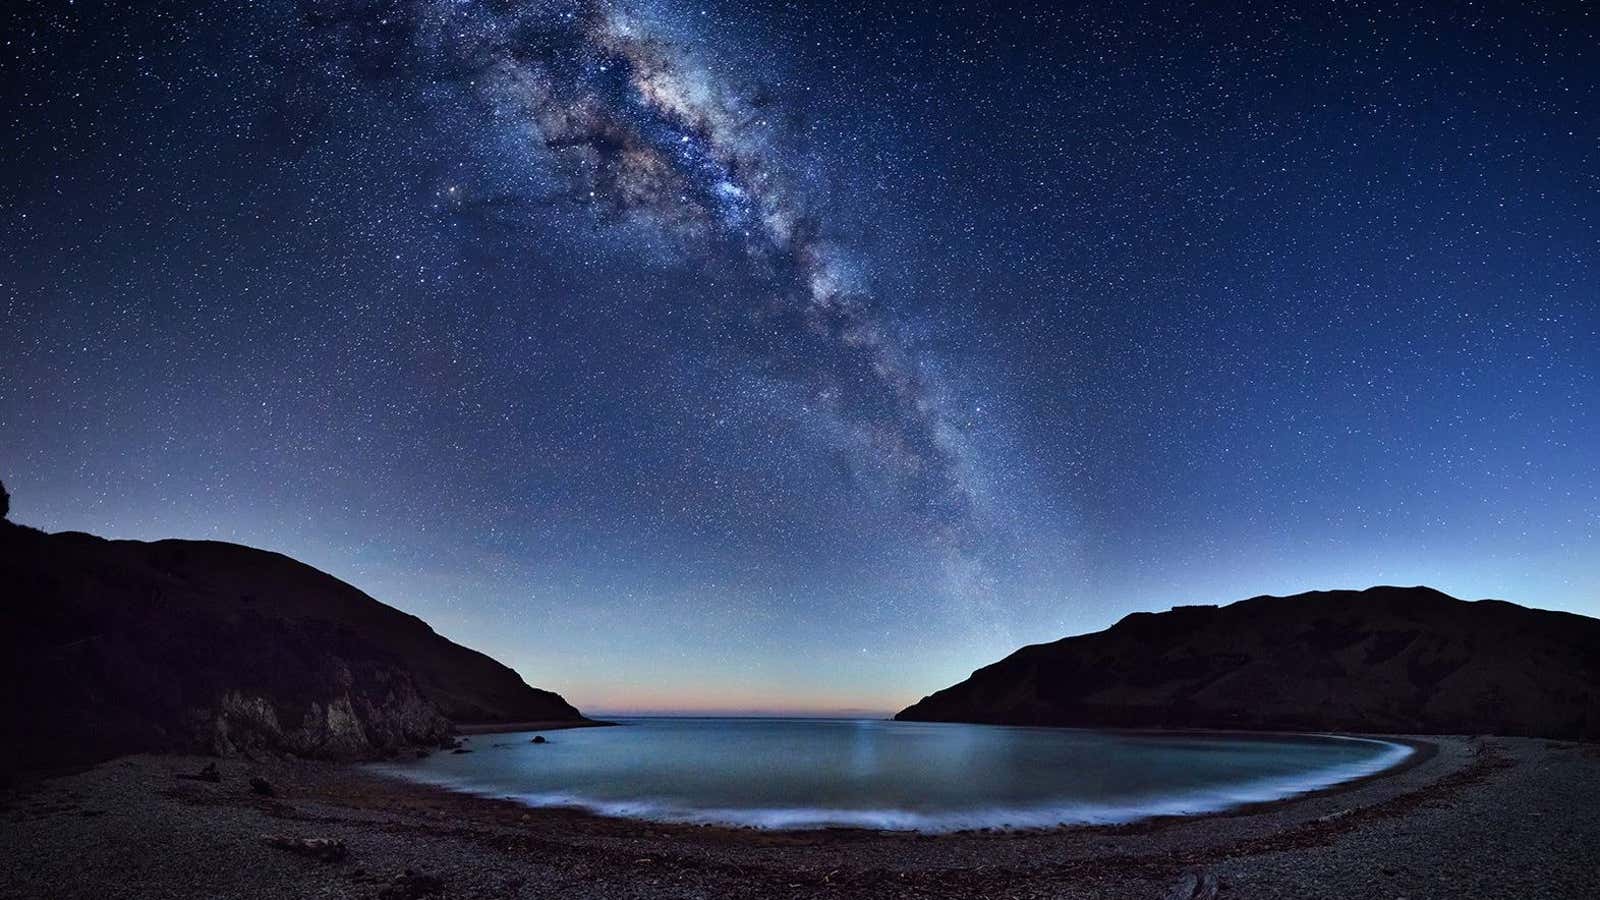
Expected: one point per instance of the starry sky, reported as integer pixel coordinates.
(771, 356)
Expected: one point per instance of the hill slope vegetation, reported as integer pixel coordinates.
(123, 646)
(1387, 659)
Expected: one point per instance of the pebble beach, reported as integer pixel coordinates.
(1467, 817)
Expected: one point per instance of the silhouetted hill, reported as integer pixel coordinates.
(121, 646)
(1387, 659)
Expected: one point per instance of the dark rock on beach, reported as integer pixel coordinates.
(113, 647)
(1387, 659)
(322, 848)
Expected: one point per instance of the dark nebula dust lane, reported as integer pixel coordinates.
(636, 129)
(784, 356)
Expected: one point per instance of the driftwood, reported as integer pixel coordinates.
(1194, 886)
(325, 849)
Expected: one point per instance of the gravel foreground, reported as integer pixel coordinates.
(1472, 817)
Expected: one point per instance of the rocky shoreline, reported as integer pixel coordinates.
(1477, 817)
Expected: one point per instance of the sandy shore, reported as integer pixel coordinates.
(1475, 818)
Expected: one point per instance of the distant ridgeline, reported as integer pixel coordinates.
(121, 646)
(1387, 659)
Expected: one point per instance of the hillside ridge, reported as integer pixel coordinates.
(116, 646)
(1385, 659)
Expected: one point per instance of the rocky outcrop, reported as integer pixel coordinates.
(122, 646)
(1387, 659)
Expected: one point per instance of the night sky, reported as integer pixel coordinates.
(778, 356)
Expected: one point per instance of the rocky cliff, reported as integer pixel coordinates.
(121, 646)
(1387, 659)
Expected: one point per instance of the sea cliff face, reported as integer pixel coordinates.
(352, 724)
(123, 646)
(1387, 659)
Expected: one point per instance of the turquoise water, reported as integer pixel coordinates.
(810, 773)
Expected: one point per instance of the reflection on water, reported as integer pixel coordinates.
(805, 773)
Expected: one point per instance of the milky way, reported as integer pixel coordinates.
(640, 131)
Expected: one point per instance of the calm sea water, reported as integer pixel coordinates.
(806, 773)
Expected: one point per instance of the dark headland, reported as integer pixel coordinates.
(1387, 659)
(114, 647)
